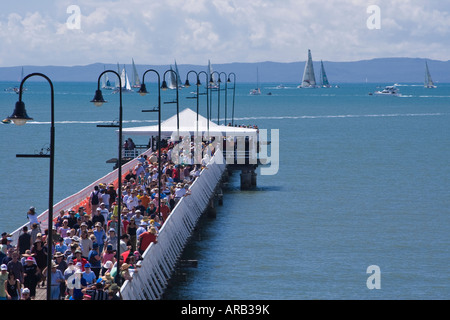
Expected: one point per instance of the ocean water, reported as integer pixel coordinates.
(363, 180)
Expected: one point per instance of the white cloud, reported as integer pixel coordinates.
(193, 31)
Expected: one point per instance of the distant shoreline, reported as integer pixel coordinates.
(380, 70)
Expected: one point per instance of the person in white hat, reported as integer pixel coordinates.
(3, 278)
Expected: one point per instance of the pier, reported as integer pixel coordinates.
(161, 260)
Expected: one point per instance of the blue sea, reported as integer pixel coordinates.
(363, 181)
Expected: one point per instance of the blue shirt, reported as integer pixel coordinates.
(89, 277)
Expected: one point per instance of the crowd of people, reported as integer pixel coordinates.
(85, 264)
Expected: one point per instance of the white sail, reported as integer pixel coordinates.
(126, 86)
(211, 76)
(136, 80)
(173, 80)
(309, 79)
(180, 85)
(323, 76)
(428, 81)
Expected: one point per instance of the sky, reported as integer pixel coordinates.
(158, 32)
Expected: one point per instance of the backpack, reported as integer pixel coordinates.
(94, 198)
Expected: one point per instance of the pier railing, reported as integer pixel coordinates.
(160, 259)
(79, 198)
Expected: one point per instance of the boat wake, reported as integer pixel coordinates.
(345, 116)
(92, 122)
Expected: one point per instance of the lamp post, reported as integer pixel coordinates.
(143, 91)
(208, 116)
(20, 117)
(211, 81)
(164, 88)
(98, 102)
(187, 85)
(226, 96)
(234, 91)
(197, 143)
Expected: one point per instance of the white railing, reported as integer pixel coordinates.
(77, 198)
(159, 260)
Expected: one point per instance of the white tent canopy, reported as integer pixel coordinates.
(188, 125)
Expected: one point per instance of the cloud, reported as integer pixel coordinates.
(193, 31)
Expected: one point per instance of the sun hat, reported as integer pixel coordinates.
(58, 255)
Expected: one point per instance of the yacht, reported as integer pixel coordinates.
(388, 91)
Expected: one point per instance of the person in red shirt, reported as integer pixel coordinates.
(78, 258)
(164, 211)
(146, 238)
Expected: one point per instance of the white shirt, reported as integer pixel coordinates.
(33, 218)
(179, 192)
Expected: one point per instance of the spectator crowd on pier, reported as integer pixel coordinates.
(84, 252)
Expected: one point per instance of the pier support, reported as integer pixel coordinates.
(211, 211)
(246, 179)
(253, 178)
(219, 196)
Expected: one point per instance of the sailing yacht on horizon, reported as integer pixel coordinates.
(16, 89)
(179, 84)
(429, 84)
(136, 80)
(309, 79)
(106, 84)
(323, 77)
(211, 77)
(173, 79)
(257, 90)
(126, 86)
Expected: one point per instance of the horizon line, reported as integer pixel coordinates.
(224, 63)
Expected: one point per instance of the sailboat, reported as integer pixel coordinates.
(309, 79)
(210, 71)
(17, 89)
(106, 84)
(180, 84)
(323, 76)
(257, 90)
(126, 86)
(136, 80)
(173, 79)
(428, 81)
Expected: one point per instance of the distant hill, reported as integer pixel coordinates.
(383, 70)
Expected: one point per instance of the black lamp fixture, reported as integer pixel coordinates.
(143, 90)
(164, 86)
(19, 116)
(98, 98)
